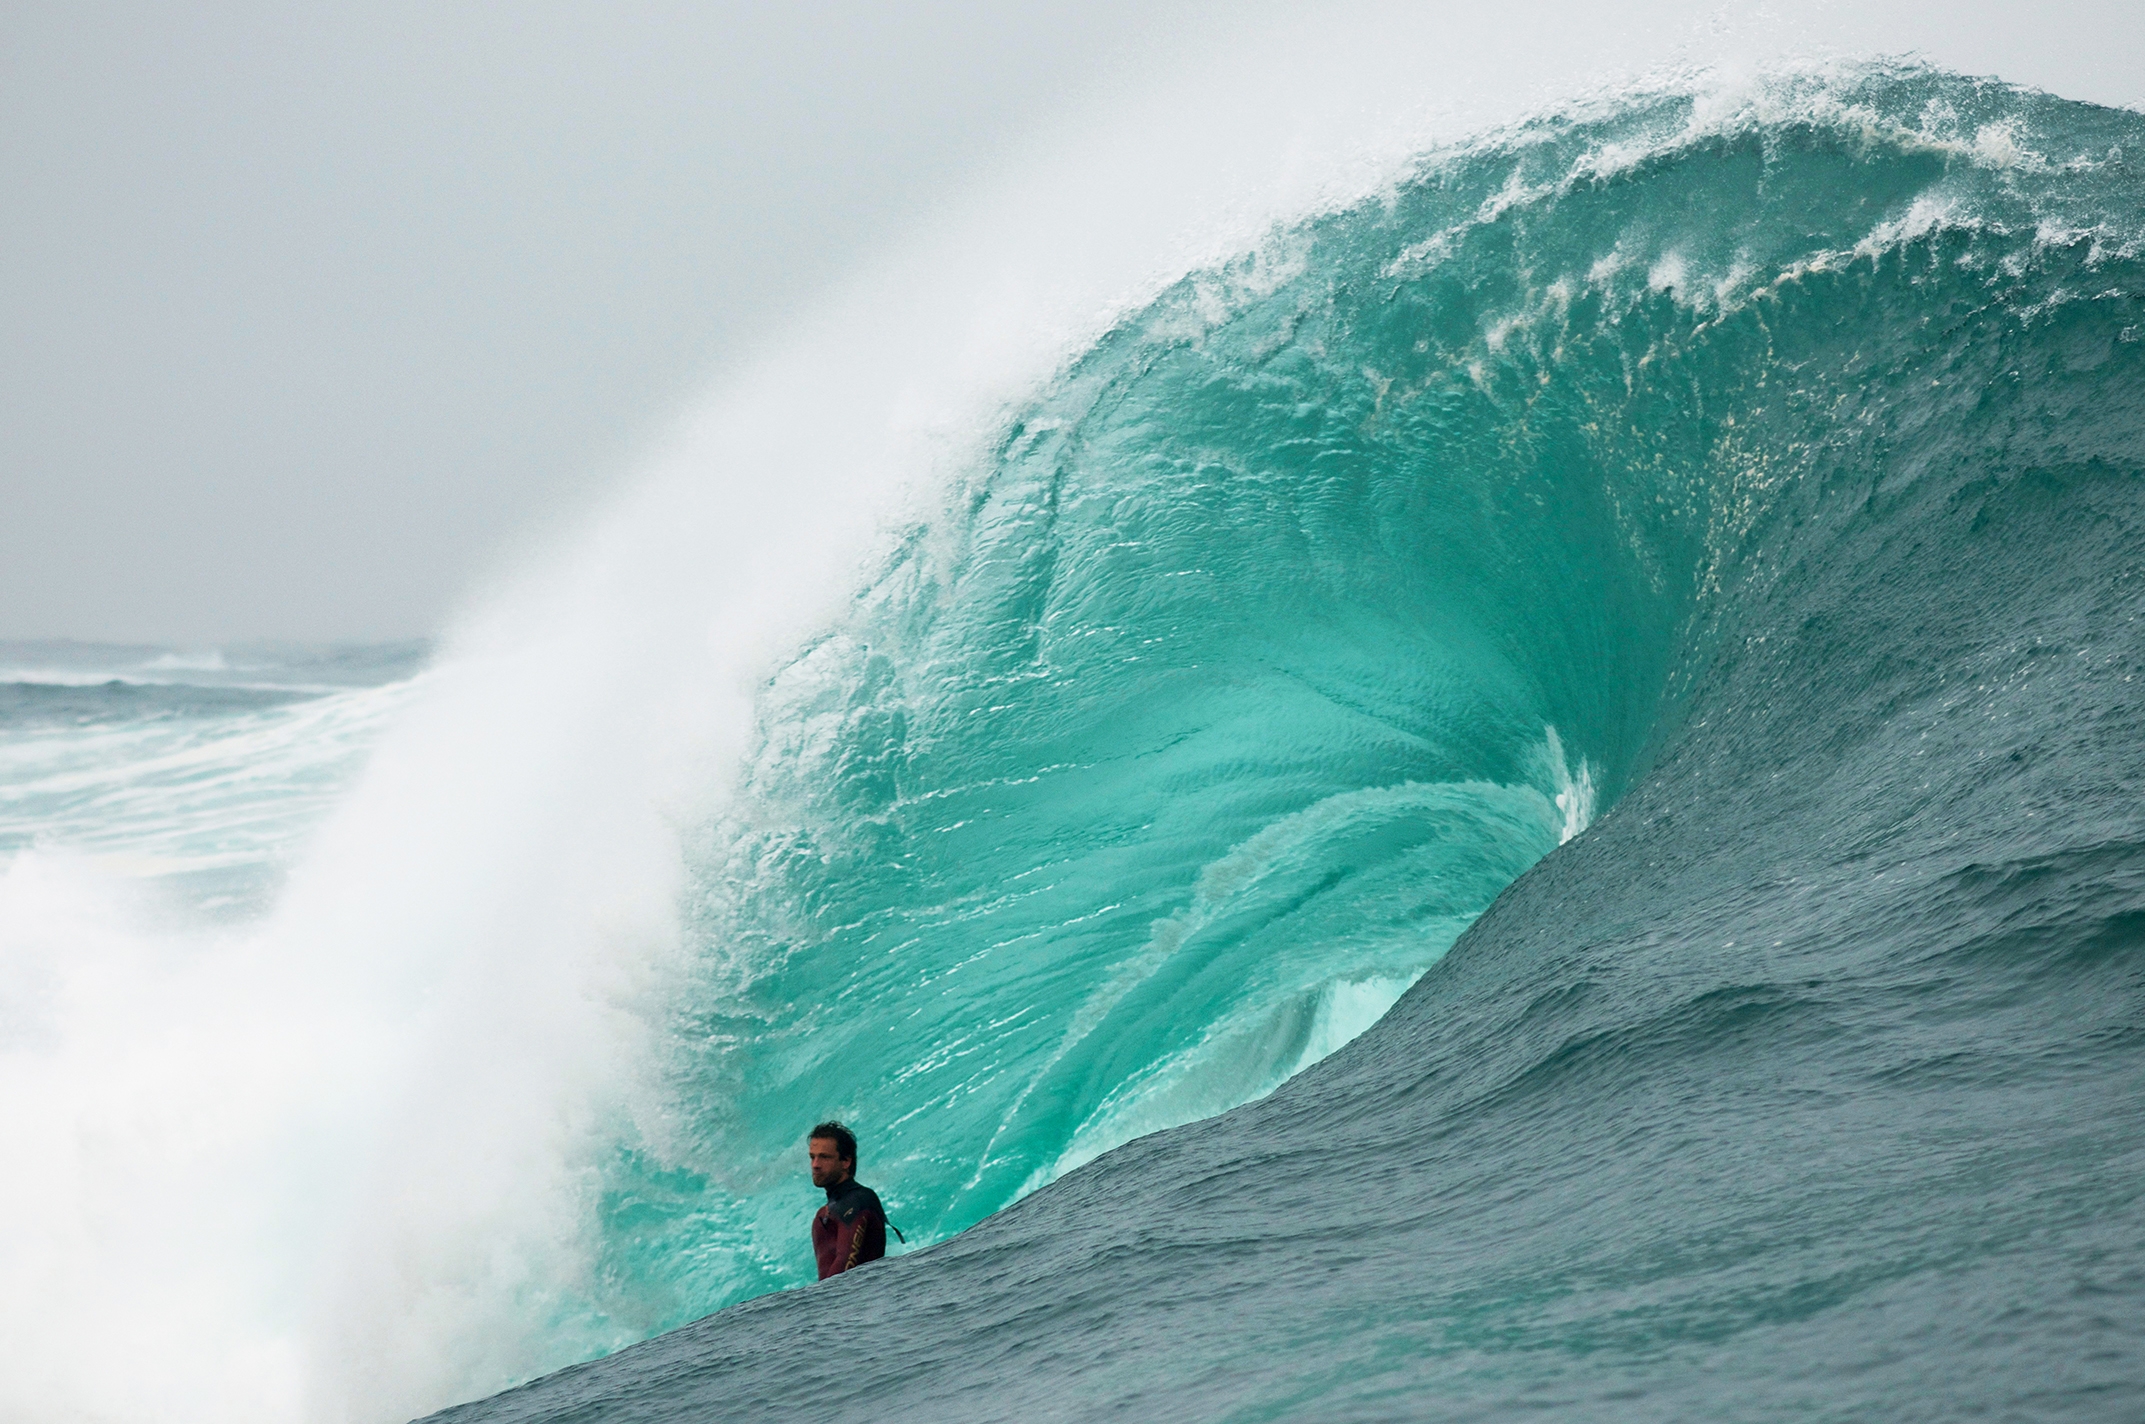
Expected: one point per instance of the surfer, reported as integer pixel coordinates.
(851, 1228)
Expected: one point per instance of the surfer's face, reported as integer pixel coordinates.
(827, 1168)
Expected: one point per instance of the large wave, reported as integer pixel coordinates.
(1761, 463)
(1661, 580)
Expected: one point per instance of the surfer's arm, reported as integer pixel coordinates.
(859, 1229)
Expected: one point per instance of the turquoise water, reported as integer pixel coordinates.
(1524, 801)
(1740, 490)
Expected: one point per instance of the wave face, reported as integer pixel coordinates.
(1764, 464)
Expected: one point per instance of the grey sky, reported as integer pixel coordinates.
(307, 309)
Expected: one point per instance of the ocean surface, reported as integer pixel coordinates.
(1527, 802)
(197, 771)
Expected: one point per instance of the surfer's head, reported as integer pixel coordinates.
(833, 1150)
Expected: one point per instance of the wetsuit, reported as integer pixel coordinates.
(849, 1230)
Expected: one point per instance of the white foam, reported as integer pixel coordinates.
(210, 661)
(1573, 788)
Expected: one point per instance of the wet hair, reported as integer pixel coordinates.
(845, 1141)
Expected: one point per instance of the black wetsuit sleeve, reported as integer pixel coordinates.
(867, 1236)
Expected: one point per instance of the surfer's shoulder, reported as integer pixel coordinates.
(854, 1197)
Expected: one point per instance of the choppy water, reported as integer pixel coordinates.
(198, 772)
(1662, 581)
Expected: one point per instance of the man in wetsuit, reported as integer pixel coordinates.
(851, 1228)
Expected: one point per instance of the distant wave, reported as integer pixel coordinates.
(60, 662)
(36, 702)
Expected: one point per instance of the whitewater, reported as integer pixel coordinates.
(1519, 798)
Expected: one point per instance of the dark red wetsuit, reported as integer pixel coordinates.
(849, 1230)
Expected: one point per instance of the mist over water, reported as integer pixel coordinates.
(321, 1001)
(1091, 730)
